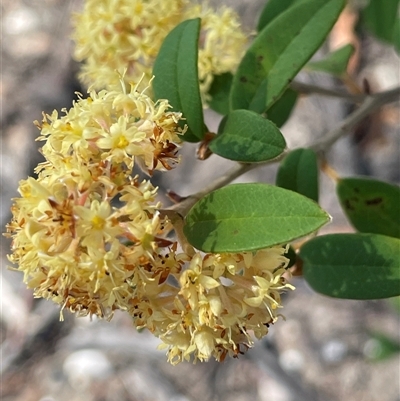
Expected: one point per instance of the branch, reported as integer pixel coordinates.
(370, 104)
(183, 207)
(308, 89)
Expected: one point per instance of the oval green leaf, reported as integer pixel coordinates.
(281, 110)
(298, 172)
(219, 93)
(280, 51)
(176, 76)
(371, 206)
(248, 137)
(379, 17)
(245, 217)
(396, 35)
(271, 10)
(353, 266)
(334, 63)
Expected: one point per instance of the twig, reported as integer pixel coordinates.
(370, 104)
(308, 89)
(183, 207)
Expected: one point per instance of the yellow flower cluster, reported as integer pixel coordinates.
(85, 229)
(122, 35)
(222, 300)
(90, 237)
(78, 250)
(126, 35)
(222, 43)
(111, 130)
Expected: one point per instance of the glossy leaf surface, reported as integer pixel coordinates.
(298, 172)
(372, 206)
(353, 266)
(335, 63)
(248, 137)
(176, 76)
(279, 52)
(244, 217)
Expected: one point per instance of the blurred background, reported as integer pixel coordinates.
(327, 349)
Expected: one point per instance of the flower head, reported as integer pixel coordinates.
(222, 43)
(115, 35)
(106, 132)
(90, 237)
(220, 301)
(126, 35)
(77, 249)
(85, 232)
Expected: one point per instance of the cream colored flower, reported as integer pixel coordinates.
(126, 35)
(78, 250)
(223, 302)
(110, 129)
(118, 35)
(195, 283)
(91, 238)
(222, 43)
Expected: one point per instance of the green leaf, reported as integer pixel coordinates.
(383, 348)
(271, 10)
(396, 35)
(219, 92)
(245, 217)
(298, 172)
(176, 76)
(280, 111)
(222, 125)
(280, 51)
(379, 17)
(247, 137)
(334, 63)
(353, 266)
(372, 206)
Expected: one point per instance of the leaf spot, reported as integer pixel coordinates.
(348, 205)
(374, 202)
